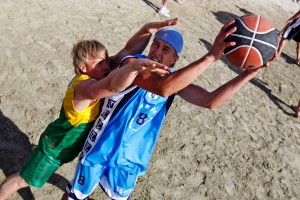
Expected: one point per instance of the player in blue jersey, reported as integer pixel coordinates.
(119, 146)
(63, 139)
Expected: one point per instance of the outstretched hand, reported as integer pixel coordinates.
(152, 27)
(219, 44)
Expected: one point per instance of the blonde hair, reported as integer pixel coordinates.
(87, 49)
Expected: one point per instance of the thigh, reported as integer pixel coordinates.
(85, 180)
(38, 168)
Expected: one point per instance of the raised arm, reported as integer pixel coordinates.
(174, 82)
(139, 41)
(200, 97)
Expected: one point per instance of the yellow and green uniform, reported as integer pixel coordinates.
(62, 140)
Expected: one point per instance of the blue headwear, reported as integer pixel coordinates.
(172, 37)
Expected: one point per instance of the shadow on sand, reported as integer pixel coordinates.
(14, 149)
(150, 4)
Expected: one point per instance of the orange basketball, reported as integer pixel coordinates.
(256, 42)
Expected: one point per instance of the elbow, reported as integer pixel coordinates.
(161, 93)
(114, 86)
(116, 89)
(165, 95)
(211, 106)
(164, 92)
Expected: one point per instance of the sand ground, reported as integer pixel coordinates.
(249, 148)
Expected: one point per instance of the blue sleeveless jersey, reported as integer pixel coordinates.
(126, 131)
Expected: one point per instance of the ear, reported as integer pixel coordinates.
(82, 67)
(176, 59)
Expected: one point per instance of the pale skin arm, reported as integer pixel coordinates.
(90, 90)
(139, 41)
(174, 82)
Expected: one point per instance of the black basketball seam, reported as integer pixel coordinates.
(259, 54)
(251, 42)
(255, 33)
(254, 39)
(254, 48)
(250, 30)
(260, 41)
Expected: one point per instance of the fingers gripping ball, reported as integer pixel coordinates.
(256, 42)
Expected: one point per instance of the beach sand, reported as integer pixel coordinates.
(249, 148)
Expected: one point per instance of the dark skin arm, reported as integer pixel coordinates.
(174, 82)
(199, 96)
(180, 81)
(139, 41)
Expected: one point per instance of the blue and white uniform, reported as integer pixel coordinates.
(120, 144)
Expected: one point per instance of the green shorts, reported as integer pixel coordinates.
(45, 159)
(38, 168)
(51, 153)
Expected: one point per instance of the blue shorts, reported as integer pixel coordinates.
(116, 183)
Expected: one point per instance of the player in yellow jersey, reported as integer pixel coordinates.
(63, 139)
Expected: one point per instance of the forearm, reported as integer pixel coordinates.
(172, 83)
(139, 41)
(226, 91)
(122, 77)
(178, 80)
(198, 96)
(136, 44)
(117, 80)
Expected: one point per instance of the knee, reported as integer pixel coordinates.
(22, 183)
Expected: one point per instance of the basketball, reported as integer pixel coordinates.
(256, 42)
